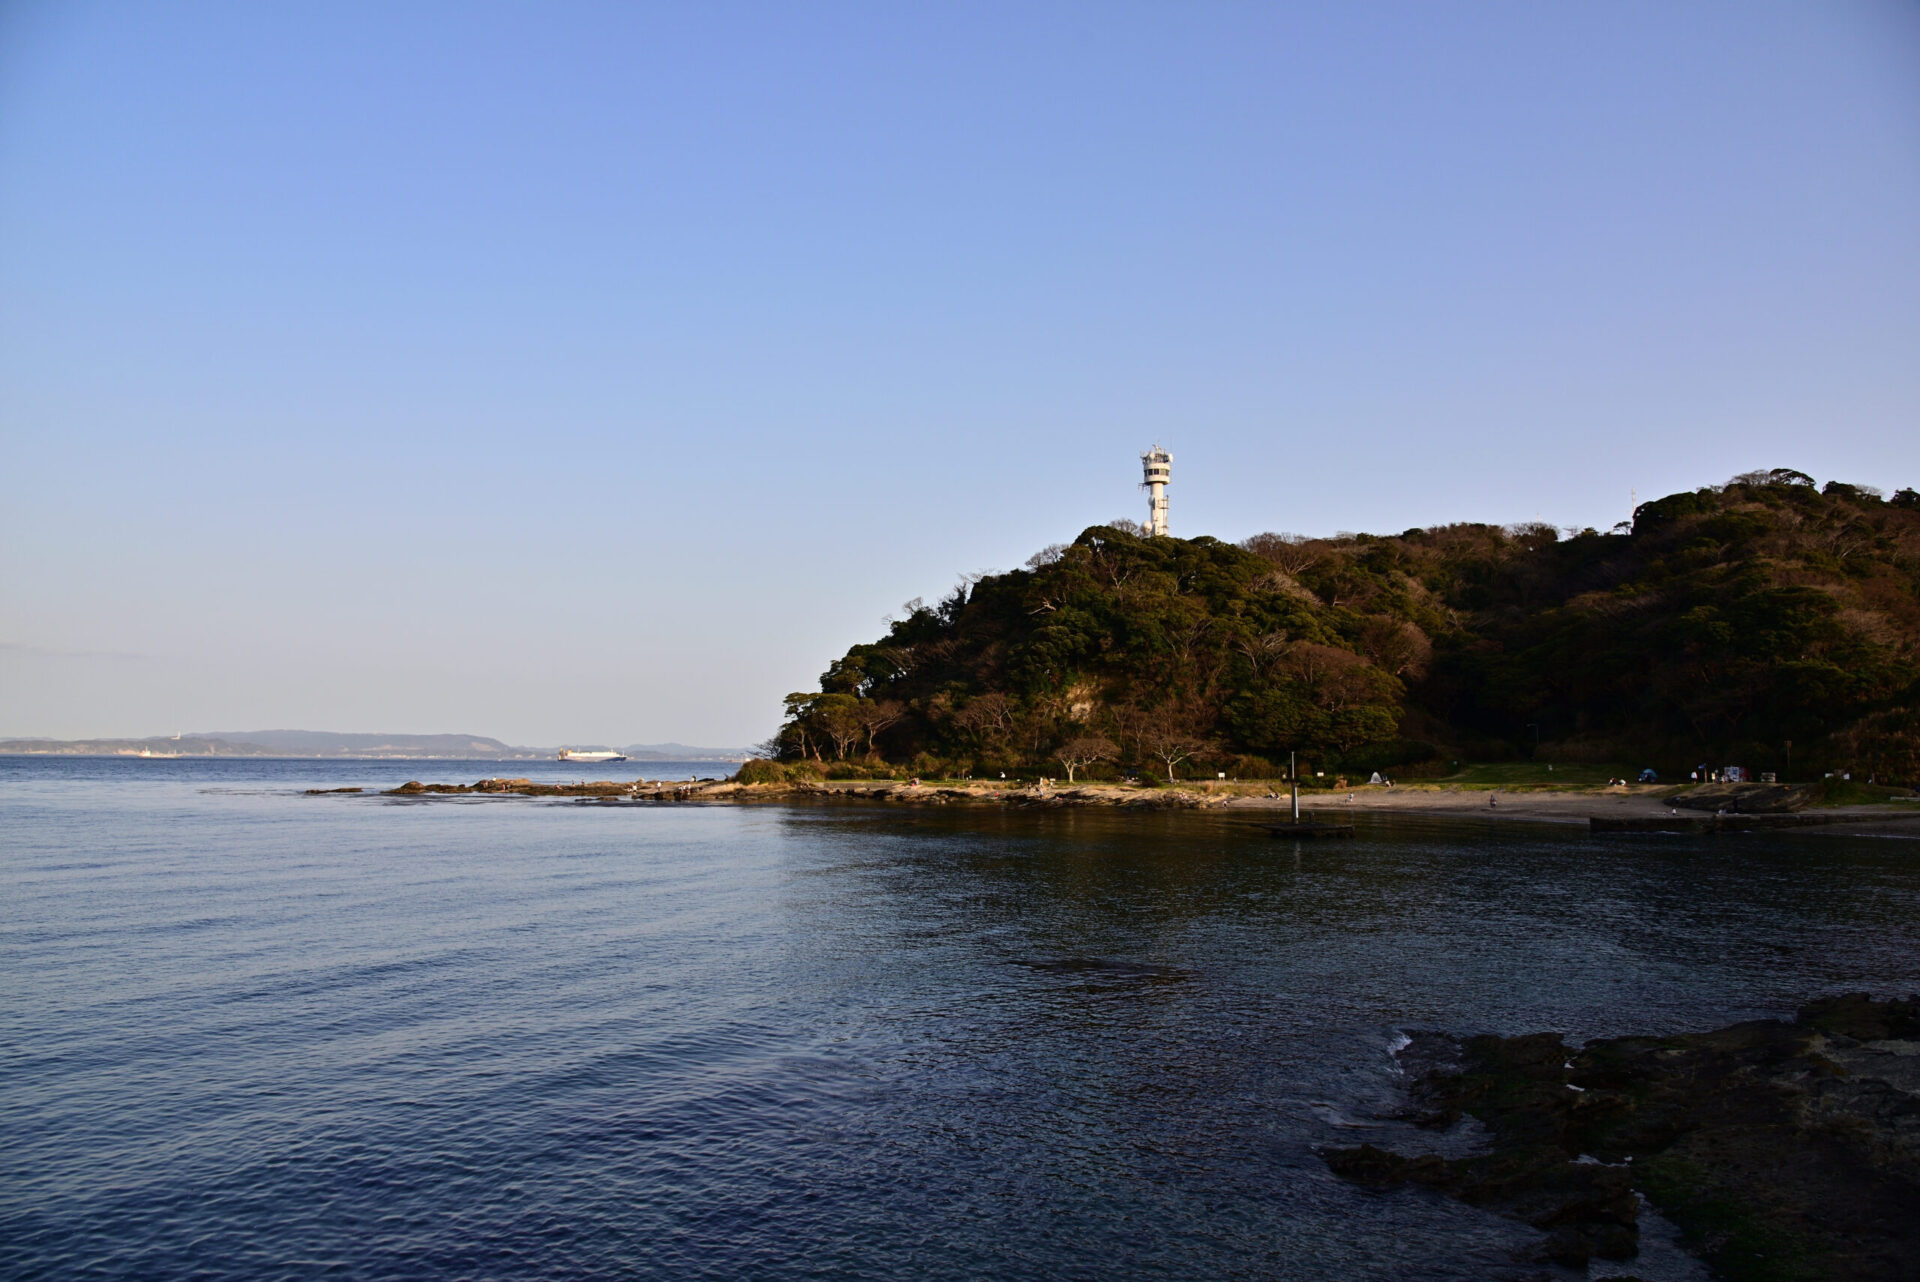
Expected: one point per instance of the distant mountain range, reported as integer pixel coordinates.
(324, 743)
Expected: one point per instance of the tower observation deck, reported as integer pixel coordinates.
(1156, 466)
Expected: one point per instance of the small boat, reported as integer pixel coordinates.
(592, 757)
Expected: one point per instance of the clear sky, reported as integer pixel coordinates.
(575, 372)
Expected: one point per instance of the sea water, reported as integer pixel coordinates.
(249, 1033)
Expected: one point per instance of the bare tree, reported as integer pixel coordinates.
(1044, 717)
(1335, 678)
(1291, 553)
(1075, 754)
(800, 709)
(842, 723)
(1129, 722)
(1187, 635)
(1171, 745)
(988, 715)
(1262, 652)
(1169, 732)
(877, 715)
(1401, 649)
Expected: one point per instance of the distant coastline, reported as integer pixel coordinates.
(320, 745)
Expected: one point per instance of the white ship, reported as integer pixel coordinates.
(593, 758)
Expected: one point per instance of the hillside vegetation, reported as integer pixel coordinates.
(1750, 622)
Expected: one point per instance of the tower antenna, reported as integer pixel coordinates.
(1157, 467)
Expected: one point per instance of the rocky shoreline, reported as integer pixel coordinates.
(1785, 1152)
(1617, 809)
(712, 790)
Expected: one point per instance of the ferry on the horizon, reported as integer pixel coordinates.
(594, 758)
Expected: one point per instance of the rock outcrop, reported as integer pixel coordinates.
(1029, 796)
(605, 789)
(1782, 1150)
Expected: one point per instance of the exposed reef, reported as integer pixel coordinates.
(1027, 795)
(1784, 1151)
(1609, 810)
(604, 789)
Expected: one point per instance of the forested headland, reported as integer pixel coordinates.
(1768, 621)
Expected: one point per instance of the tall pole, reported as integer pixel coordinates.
(1294, 775)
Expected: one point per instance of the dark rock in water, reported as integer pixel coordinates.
(1377, 1168)
(1309, 830)
(1783, 1151)
(328, 792)
(519, 788)
(1102, 966)
(1588, 1209)
(1858, 1016)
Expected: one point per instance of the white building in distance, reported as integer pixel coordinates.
(1157, 465)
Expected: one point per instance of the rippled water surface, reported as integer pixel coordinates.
(254, 1034)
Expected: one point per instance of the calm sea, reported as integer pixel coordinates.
(253, 1034)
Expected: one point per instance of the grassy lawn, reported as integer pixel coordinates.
(1841, 792)
(1537, 774)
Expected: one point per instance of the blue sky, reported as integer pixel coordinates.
(574, 372)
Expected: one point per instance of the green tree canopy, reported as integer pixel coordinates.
(1727, 619)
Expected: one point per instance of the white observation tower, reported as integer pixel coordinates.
(1157, 465)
